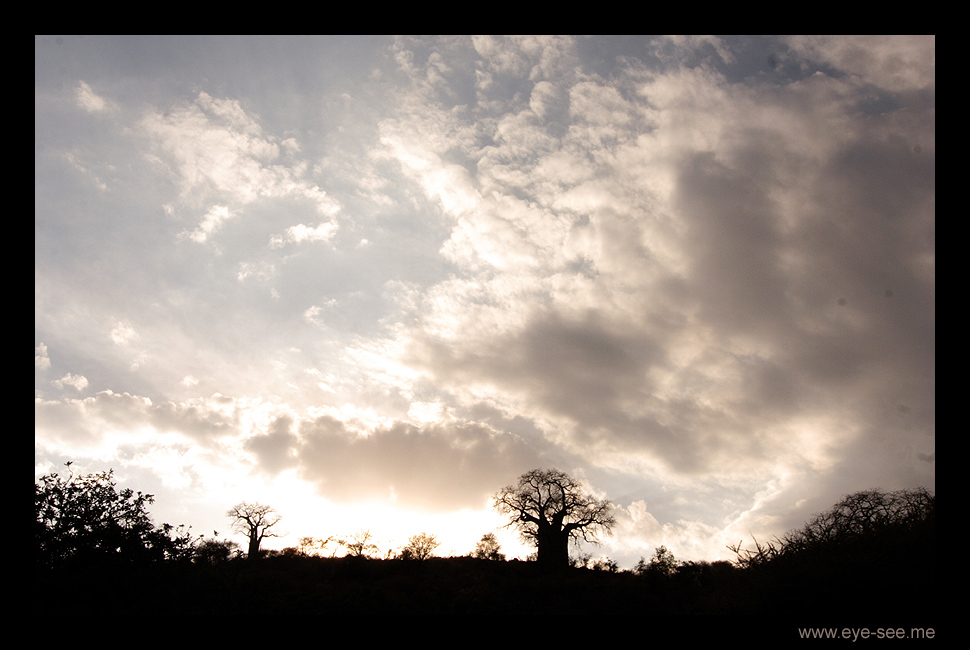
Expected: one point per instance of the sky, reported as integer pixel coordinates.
(370, 281)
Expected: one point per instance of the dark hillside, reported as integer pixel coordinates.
(872, 552)
(882, 583)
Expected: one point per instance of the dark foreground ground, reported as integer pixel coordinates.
(871, 592)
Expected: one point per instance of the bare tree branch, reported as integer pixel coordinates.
(550, 508)
(255, 521)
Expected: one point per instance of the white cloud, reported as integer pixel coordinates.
(91, 101)
(211, 222)
(312, 315)
(74, 159)
(41, 360)
(449, 184)
(426, 412)
(221, 153)
(262, 271)
(78, 382)
(123, 333)
(299, 233)
(638, 532)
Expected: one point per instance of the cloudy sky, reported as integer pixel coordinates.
(372, 280)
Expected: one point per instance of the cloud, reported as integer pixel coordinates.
(211, 222)
(123, 333)
(894, 62)
(74, 159)
(41, 359)
(424, 412)
(92, 426)
(219, 152)
(451, 465)
(639, 532)
(91, 101)
(324, 232)
(261, 271)
(275, 449)
(689, 245)
(78, 382)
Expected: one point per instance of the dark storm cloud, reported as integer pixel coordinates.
(594, 378)
(734, 244)
(583, 366)
(576, 365)
(867, 248)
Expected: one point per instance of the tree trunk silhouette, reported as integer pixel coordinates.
(553, 546)
(255, 522)
(549, 508)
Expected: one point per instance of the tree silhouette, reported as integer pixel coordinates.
(420, 547)
(360, 545)
(550, 508)
(488, 548)
(83, 520)
(663, 562)
(214, 551)
(866, 515)
(307, 544)
(255, 521)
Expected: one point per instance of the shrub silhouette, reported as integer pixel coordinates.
(360, 544)
(419, 547)
(863, 516)
(872, 550)
(214, 551)
(488, 548)
(85, 520)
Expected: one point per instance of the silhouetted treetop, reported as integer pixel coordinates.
(488, 548)
(86, 520)
(865, 515)
(419, 547)
(550, 508)
(255, 521)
